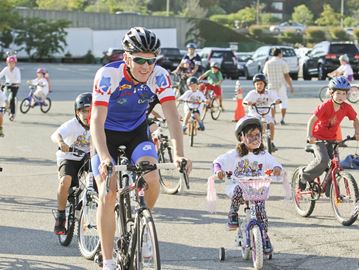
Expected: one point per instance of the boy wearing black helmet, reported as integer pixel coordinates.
(194, 100)
(323, 127)
(261, 96)
(75, 134)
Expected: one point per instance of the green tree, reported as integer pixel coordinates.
(194, 10)
(303, 15)
(8, 17)
(246, 16)
(61, 4)
(23, 3)
(328, 17)
(41, 38)
(350, 22)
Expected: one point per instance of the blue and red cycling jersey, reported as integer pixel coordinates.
(126, 101)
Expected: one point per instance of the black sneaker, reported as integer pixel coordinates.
(233, 222)
(60, 223)
(268, 246)
(282, 122)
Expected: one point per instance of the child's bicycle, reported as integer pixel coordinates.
(32, 101)
(251, 235)
(170, 181)
(212, 103)
(5, 87)
(340, 186)
(193, 124)
(353, 96)
(263, 111)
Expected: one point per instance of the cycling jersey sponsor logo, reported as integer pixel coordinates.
(104, 86)
(163, 82)
(124, 86)
(147, 147)
(121, 101)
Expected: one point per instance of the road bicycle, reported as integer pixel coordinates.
(6, 88)
(212, 103)
(340, 186)
(74, 202)
(170, 181)
(263, 111)
(32, 101)
(136, 246)
(251, 235)
(353, 96)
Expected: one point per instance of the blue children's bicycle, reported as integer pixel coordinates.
(31, 101)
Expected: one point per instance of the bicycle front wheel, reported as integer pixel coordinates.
(25, 105)
(215, 109)
(354, 94)
(147, 251)
(65, 239)
(169, 179)
(257, 247)
(87, 235)
(303, 200)
(344, 205)
(324, 93)
(203, 112)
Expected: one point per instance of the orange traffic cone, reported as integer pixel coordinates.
(239, 111)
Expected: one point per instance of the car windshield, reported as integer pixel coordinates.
(287, 52)
(220, 54)
(173, 51)
(343, 48)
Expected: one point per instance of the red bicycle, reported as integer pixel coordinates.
(340, 186)
(212, 103)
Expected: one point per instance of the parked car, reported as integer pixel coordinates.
(324, 58)
(223, 56)
(287, 26)
(242, 58)
(111, 55)
(256, 63)
(169, 58)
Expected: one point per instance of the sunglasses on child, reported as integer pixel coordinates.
(142, 60)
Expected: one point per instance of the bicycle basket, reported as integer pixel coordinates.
(255, 188)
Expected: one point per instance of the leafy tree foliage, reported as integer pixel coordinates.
(303, 15)
(328, 17)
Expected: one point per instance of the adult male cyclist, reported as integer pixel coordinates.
(122, 91)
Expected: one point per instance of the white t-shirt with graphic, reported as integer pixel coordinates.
(74, 135)
(41, 85)
(196, 96)
(249, 165)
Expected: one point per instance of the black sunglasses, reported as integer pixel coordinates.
(142, 60)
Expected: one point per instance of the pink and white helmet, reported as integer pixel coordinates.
(11, 58)
(41, 70)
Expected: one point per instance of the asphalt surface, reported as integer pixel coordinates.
(189, 236)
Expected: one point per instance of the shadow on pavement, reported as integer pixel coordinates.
(25, 264)
(33, 161)
(26, 204)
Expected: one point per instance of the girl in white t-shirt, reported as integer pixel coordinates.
(248, 159)
(194, 100)
(74, 133)
(41, 83)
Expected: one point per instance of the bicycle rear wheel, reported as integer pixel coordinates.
(324, 93)
(191, 129)
(215, 109)
(87, 235)
(348, 195)
(354, 94)
(169, 179)
(65, 239)
(148, 252)
(303, 200)
(46, 105)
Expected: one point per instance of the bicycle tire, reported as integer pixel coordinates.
(257, 247)
(46, 108)
(203, 112)
(148, 251)
(354, 94)
(303, 203)
(324, 94)
(25, 105)
(65, 239)
(215, 109)
(268, 143)
(87, 235)
(346, 184)
(169, 179)
(245, 251)
(192, 131)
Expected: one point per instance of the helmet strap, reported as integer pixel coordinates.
(82, 124)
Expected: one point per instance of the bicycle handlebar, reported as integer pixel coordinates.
(348, 138)
(266, 109)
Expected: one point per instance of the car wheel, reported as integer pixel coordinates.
(321, 73)
(306, 75)
(294, 76)
(246, 74)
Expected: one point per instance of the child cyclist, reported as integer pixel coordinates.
(261, 96)
(248, 159)
(323, 126)
(73, 133)
(41, 83)
(194, 100)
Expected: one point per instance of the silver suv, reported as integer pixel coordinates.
(255, 64)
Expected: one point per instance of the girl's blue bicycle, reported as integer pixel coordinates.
(251, 235)
(31, 101)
